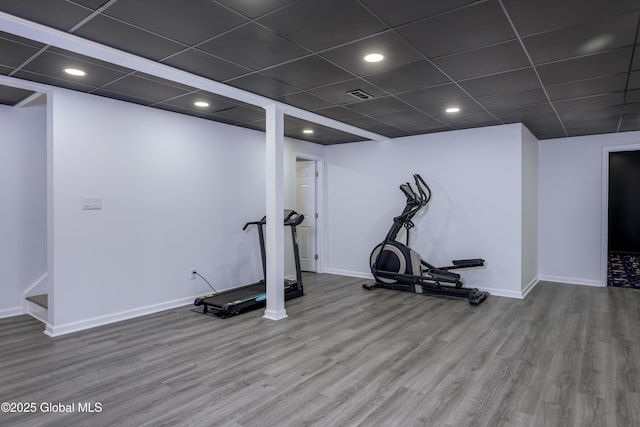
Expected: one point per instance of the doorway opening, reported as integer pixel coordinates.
(309, 202)
(620, 216)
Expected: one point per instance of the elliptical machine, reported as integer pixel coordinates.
(396, 266)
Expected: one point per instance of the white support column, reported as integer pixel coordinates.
(275, 216)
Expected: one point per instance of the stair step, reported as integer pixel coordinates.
(41, 300)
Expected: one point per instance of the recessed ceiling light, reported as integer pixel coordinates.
(307, 131)
(374, 57)
(201, 104)
(452, 110)
(74, 72)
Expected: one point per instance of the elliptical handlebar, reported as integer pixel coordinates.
(425, 196)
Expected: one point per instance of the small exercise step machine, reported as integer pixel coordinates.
(253, 296)
(396, 266)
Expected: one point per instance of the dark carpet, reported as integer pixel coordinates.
(624, 270)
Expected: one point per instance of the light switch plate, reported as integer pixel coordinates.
(91, 203)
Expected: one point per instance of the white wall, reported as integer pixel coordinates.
(22, 203)
(475, 212)
(571, 206)
(176, 192)
(529, 210)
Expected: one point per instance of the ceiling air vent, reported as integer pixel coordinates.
(360, 94)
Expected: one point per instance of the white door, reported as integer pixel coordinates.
(306, 205)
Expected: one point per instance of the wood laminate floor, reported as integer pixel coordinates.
(565, 356)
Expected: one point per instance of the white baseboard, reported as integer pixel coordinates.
(501, 292)
(571, 281)
(529, 287)
(349, 273)
(57, 330)
(10, 312)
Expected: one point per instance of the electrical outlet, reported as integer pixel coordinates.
(192, 274)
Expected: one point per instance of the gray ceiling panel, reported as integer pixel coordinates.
(411, 77)
(206, 18)
(584, 39)
(260, 47)
(596, 65)
(12, 96)
(309, 72)
(130, 39)
(403, 11)
(484, 61)
(253, 8)
(483, 24)
(580, 54)
(395, 50)
(205, 65)
(58, 14)
(531, 17)
(321, 24)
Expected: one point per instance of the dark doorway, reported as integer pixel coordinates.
(624, 219)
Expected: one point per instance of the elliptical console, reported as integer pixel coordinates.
(396, 266)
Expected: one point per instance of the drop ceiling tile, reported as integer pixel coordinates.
(216, 103)
(13, 54)
(596, 65)
(13, 95)
(89, 59)
(541, 113)
(472, 120)
(483, 61)
(337, 138)
(411, 77)
(532, 17)
(582, 88)
(53, 64)
(242, 113)
(263, 85)
(595, 101)
(511, 81)
(547, 130)
(630, 122)
(390, 131)
(514, 99)
(379, 106)
(634, 80)
(483, 24)
(337, 92)
(427, 126)
(201, 19)
(182, 110)
(631, 108)
(135, 100)
(59, 14)
(583, 39)
(203, 64)
(321, 24)
(253, 46)
(5, 70)
(569, 117)
(253, 8)
(401, 118)
(339, 113)
(365, 123)
(304, 100)
(632, 96)
(144, 88)
(91, 4)
(395, 50)
(128, 38)
(592, 127)
(466, 106)
(53, 81)
(436, 95)
(403, 11)
(635, 65)
(309, 72)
